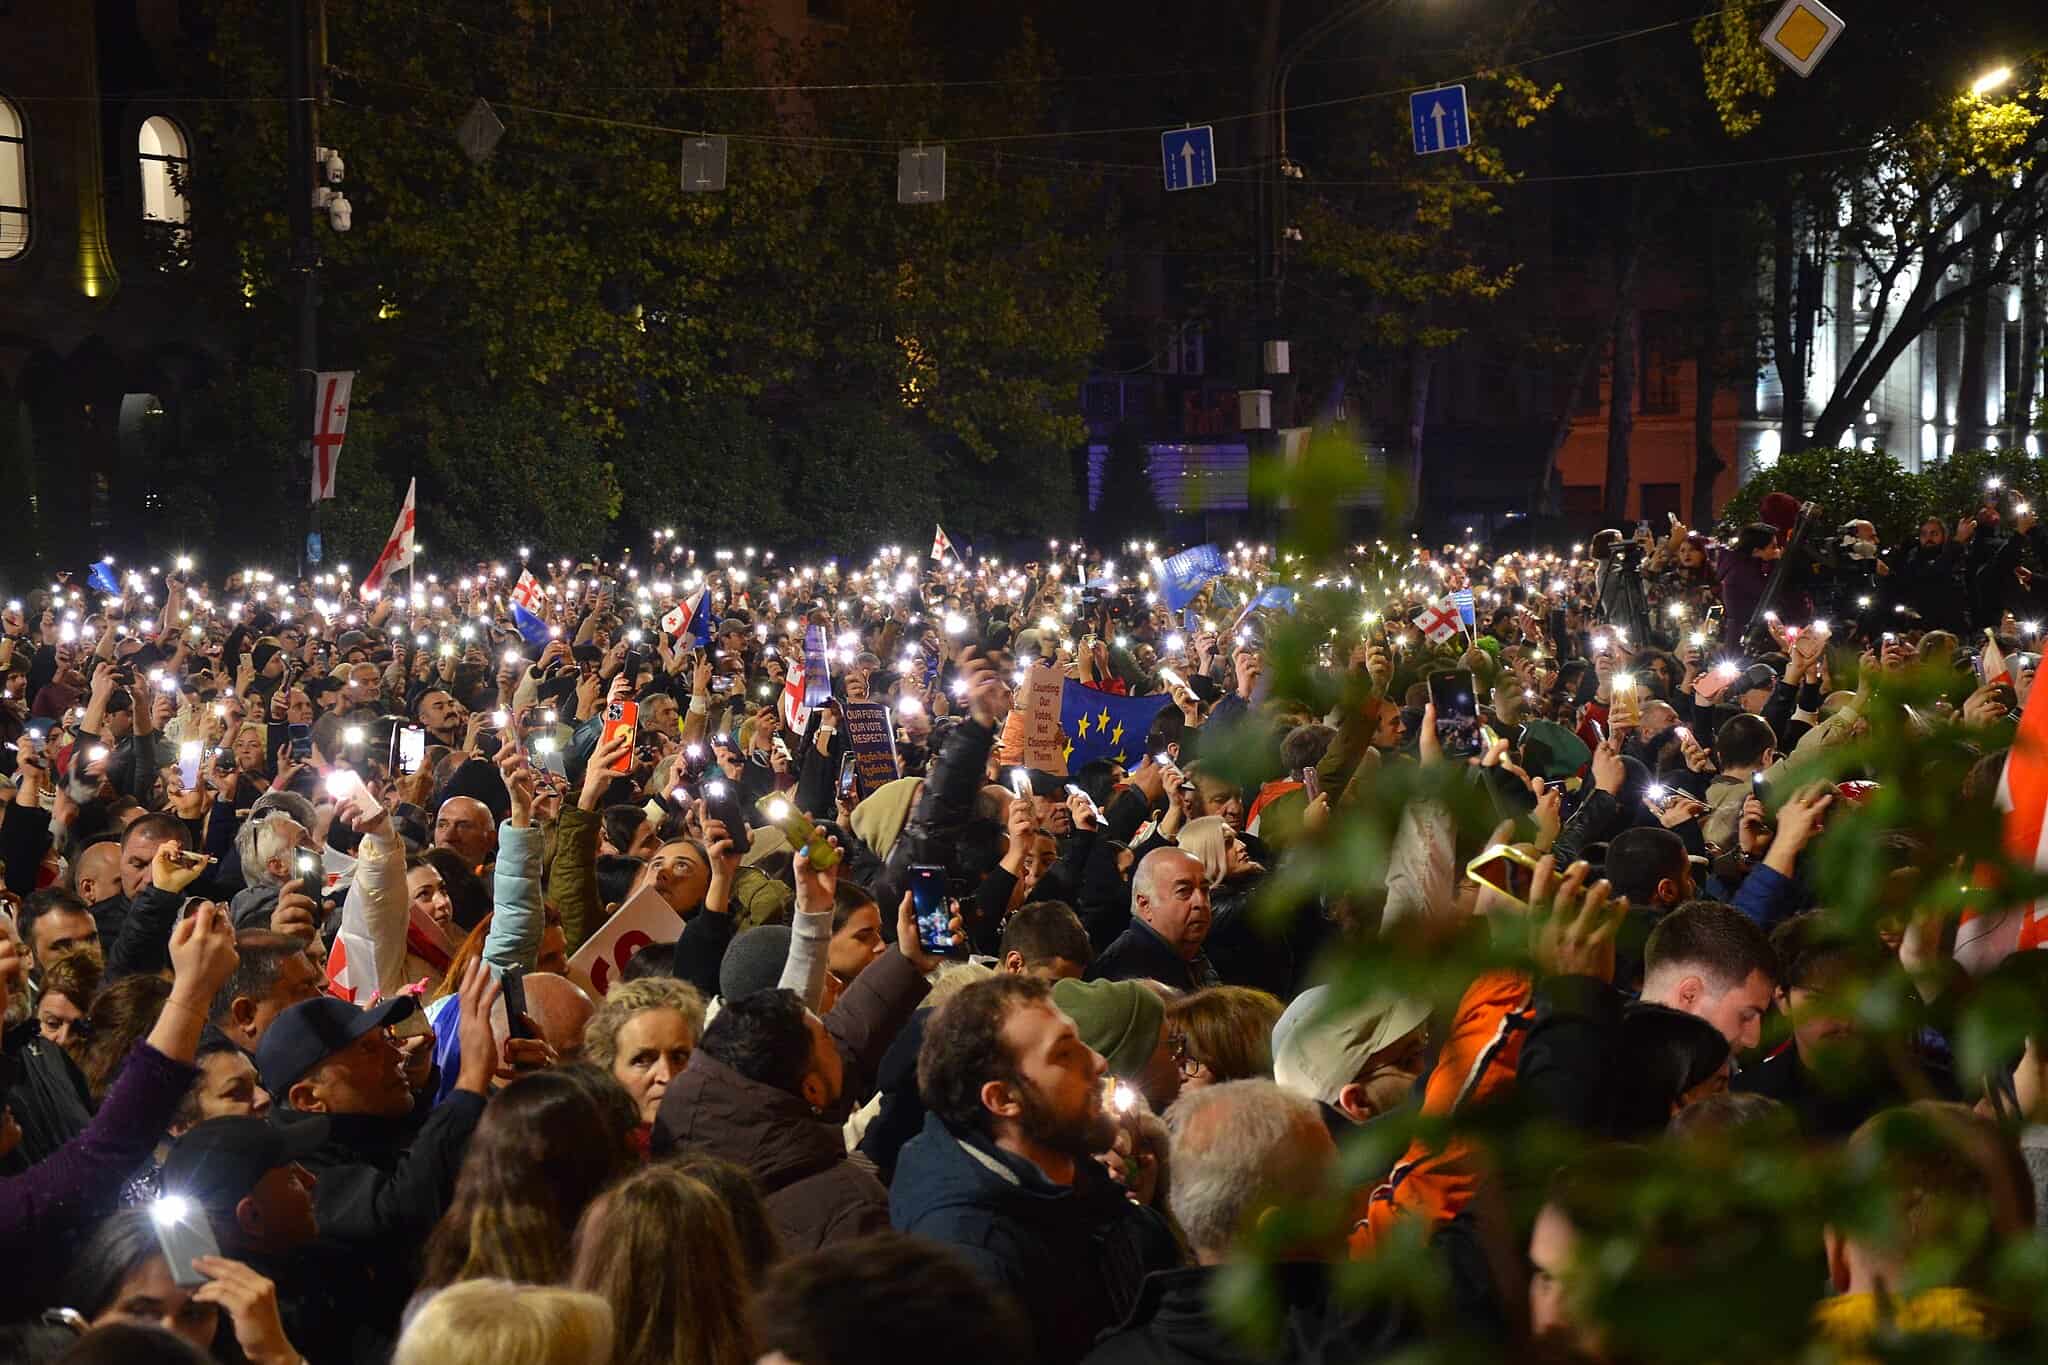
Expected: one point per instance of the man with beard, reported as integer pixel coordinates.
(1006, 1170)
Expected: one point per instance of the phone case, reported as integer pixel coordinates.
(620, 715)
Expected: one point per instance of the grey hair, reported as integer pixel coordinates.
(1237, 1148)
(256, 845)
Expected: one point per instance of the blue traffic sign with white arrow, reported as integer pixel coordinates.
(1188, 156)
(1438, 118)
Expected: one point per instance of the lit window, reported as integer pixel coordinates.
(166, 164)
(13, 182)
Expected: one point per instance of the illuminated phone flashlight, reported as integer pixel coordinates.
(1123, 1099)
(511, 656)
(96, 753)
(342, 784)
(167, 685)
(1993, 484)
(1600, 643)
(694, 751)
(1658, 791)
(1698, 638)
(544, 745)
(500, 718)
(679, 795)
(2019, 509)
(447, 650)
(715, 790)
(352, 735)
(905, 706)
(778, 810)
(220, 709)
(1728, 668)
(68, 633)
(1819, 627)
(1624, 682)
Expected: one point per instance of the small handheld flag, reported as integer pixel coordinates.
(692, 615)
(1439, 623)
(942, 548)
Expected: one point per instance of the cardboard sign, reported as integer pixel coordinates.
(872, 733)
(1044, 745)
(643, 919)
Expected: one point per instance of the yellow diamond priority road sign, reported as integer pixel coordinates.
(1801, 33)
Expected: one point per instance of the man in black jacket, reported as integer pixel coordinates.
(1005, 1172)
(1241, 1150)
(1169, 922)
(387, 1169)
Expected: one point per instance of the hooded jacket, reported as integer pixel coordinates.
(816, 1195)
(1175, 1323)
(1074, 1256)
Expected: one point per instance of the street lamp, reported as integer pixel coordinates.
(1990, 81)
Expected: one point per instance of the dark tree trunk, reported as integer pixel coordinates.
(1790, 329)
(1421, 362)
(2031, 322)
(1972, 425)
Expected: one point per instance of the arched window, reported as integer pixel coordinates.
(165, 166)
(13, 182)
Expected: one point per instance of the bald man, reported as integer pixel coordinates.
(1169, 923)
(465, 827)
(559, 1008)
(96, 874)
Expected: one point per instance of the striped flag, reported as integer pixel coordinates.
(692, 614)
(1982, 941)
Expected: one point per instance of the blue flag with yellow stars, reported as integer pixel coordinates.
(1104, 725)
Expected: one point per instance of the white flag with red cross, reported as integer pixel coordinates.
(330, 390)
(942, 548)
(397, 550)
(1440, 622)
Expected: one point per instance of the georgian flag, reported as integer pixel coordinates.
(1439, 623)
(942, 548)
(332, 387)
(692, 614)
(796, 716)
(526, 592)
(526, 611)
(397, 550)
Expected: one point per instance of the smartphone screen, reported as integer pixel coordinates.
(620, 715)
(184, 1234)
(934, 915)
(412, 748)
(849, 776)
(1457, 713)
(302, 741)
(1311, 783)
(722, 802)
(189, 754)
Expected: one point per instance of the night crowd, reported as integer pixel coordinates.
(397, 975)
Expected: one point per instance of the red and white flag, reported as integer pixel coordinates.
(1993, 663)
(397, 550)
(526, 592)
(795, 715)
(941, 547)
(1984, 940)
(330, 391)
(1440, 622)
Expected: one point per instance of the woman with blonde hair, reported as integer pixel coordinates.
(662, 1251)
(1242, 951)
(644, 1034)
(497, 1322)
(1226, 1034)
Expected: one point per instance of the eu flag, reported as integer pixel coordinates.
(532, 629)
(1104, 725)
(1182, 576)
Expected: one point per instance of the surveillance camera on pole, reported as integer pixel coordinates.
(331, 163)
(339, 212)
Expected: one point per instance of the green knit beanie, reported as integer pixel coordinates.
(1119, 1019)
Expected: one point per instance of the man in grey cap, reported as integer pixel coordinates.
(1357, 1061)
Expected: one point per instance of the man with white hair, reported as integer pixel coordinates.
(277, 890)
(1242, 1153)
(1170, 920)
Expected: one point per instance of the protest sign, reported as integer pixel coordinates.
(1044, 745)
(872, 733)
(644, 919)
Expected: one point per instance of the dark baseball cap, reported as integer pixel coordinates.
(313, 1030)
(217, 1163)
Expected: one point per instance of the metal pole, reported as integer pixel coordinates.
(305, 249)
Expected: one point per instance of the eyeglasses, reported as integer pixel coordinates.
(1177, 1046)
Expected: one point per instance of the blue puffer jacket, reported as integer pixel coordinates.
(1074, 1256)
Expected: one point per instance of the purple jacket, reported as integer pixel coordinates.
(81, 1181)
